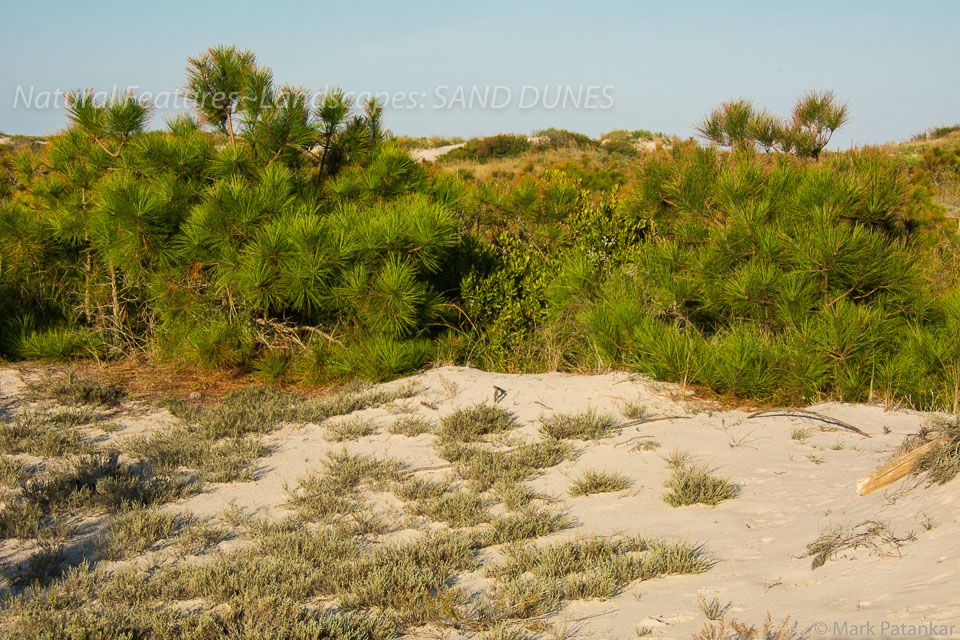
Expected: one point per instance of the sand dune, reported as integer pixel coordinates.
(791, 491)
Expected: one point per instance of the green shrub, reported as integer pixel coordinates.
(490, 148)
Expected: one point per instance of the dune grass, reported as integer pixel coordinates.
(585, 425)
(692, 483)
(596, 481)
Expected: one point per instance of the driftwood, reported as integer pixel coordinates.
(892, 471)
(803, 413)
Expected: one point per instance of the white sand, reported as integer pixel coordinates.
(429, 155)
(758, 540)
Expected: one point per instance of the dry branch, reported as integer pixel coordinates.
(803, 413)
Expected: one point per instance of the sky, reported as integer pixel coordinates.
(454, 68)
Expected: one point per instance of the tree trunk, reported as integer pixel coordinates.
(115, 300)
(87, 310)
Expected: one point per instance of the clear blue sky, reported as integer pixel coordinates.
(668, 63)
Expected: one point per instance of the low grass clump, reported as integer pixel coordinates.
(458, 508)
(635, 410)
(515, 495)
(598, 567)
(408, 582)
(197, 537)
(87, 484)
(137, 529)
(596, 481)
(262, 409)
(12, 472)
(38, 433)
(692, 483)
(941, 462)
(351, 429)
(527, 523)
(43, 566)
(75, 389)
(482, 468)
(712, 609)
(224, 460)
(335, 491)
(585, 425)
(470, 424)
(221, 442)
(410, 426)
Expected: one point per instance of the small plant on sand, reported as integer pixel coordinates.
(800, 434)
(351, 429)
(585, 425)
(334, 491)
(596, 567)
(870, 534)
(43, 566)
(410, 426)
(471, 423)
(12, 472)
(197, 538)
(692, 483)
(75, 389)
(730, 629)
(595, 481)
(483, 468)
(515, 495)
(36, 433)
(635, 410)
(459, 508)
(504, 631)
(529, 522)
(136, 529)
(711, 609)
(941, 461)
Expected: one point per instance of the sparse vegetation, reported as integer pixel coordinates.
(635, 410)
(410, 426)
(351, 429)
(595, 481)
(872, 535)
(586, 425)
(941, 463)
(134, 530)
(483, 468)
(711, 609)
(732, 629)
(692, 483)
(472, 423)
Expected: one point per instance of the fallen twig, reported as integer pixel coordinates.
(803, 413)
(633, 439)
(633, 423)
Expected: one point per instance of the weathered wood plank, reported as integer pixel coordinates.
(892, 471)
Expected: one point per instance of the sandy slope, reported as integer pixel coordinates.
(429, 155)
(758, 540)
